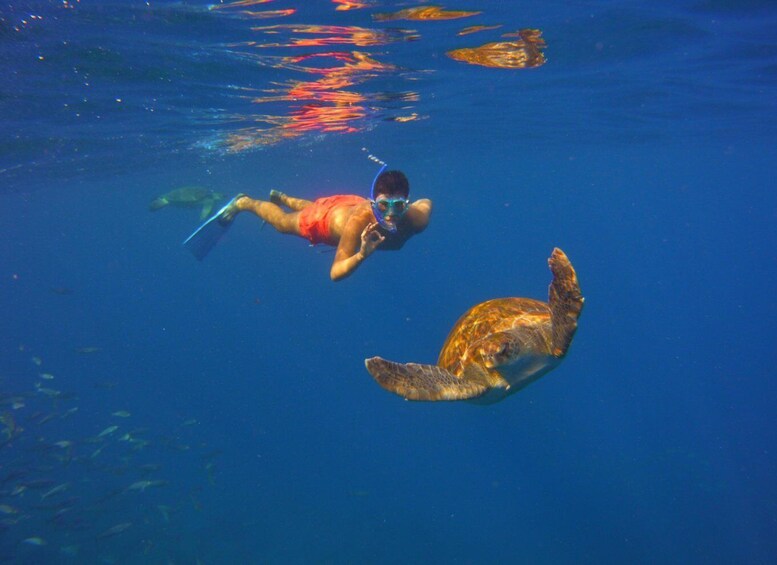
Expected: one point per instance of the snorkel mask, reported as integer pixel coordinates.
(384, 206)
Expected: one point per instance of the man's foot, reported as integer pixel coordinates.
(228, 212)
(277, 197)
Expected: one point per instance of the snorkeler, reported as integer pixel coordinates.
(357, 226)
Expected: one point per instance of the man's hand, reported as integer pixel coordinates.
(371, 239)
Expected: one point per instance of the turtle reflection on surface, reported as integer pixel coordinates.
(424, 13)
(522, 53)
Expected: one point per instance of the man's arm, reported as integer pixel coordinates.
(419, 213)
(360, 238)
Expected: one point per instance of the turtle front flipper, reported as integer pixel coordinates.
(422, 382)
(565, 301)
(207, 208)
(158, 203)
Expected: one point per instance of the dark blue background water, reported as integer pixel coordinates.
(644, 148)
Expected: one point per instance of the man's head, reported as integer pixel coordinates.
(390, 202)
(392, 183)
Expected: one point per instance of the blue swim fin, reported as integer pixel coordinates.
(208, 234)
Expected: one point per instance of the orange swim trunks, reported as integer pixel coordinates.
(315, 219)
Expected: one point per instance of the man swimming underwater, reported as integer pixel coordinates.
(357, 226)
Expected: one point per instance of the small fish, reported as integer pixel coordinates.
(149, 468)
(8, 400)
(47, 391)
(37, 361)
(61, 290)
(69, 550)
(11, 430)
(7, 509)
(59, 517)
(69, 411)
(138, 444)
(141, 486)
(165, 511)
(196, 504)
(65, 504)
(212, 454)
(18, 489)
(43, 418)
(13, 474)
(64, 444)
(56, 490)
(46, 376)
(359, 493)
(35, 541)
(87, 350)
(108, 431)
(39, 483)
(178, 446)
(115, 530)
(107, 385)
(121, 414)
(210, 471)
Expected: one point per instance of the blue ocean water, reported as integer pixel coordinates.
(157, 409)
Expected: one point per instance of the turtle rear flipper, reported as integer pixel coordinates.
(565, 301)
(422, 382)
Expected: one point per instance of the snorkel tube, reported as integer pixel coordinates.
(391, 228)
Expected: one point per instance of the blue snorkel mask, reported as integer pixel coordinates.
(384, 206)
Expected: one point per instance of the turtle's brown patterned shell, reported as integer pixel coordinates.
(488, 318)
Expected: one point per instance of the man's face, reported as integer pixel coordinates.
(391, 207)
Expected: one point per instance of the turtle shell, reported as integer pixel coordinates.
(488, 318)
(187, 195)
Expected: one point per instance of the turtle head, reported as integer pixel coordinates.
(498, 350)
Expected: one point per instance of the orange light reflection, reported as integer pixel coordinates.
(332, 35)
(348, 5)
(324, 105)
(475, 29)
(267, 14)
(238, 4)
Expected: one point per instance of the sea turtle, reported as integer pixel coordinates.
(188, 197)
(496, 348)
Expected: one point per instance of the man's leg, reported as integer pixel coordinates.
(279, 198)
(271, 213)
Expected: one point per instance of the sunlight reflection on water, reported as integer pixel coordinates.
(332, 96)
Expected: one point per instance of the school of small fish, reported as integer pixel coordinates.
(84, 496)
